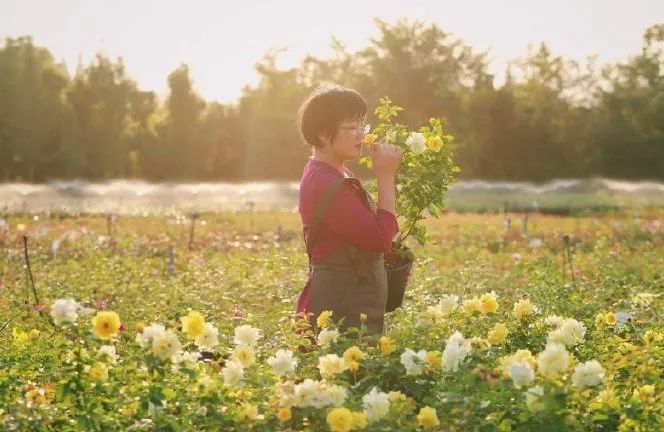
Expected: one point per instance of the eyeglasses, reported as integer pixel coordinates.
(360, 131)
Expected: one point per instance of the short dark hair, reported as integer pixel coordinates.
(325, 109)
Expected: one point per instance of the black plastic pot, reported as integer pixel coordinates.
(398, 265)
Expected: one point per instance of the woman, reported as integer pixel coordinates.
(345, 234)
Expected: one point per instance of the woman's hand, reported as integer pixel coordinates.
(386, 159)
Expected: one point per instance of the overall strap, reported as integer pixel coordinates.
(321, 207)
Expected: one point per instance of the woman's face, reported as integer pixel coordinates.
(347, 144)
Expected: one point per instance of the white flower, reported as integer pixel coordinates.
(568, 333)
(330, 365)
(414, 362)
(554, 320)
(209, 338)
(187, 359)
(521, 372)
(326, 337)
(307, 394)
(233, 372)
(448, 304)
(149, 333)
(533, 398)
(588, 374)
(282, 362)
(109, 352)
(375, 405)
(535, 243)
(336, 394)
(553, 360)
(65, 311)
(456, 350)
(165, 345)
(390, 137)
(416, 142)
(246, 335)
(244, 354)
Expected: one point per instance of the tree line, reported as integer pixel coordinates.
(551, 117)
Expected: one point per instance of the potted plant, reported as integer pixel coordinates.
(426, 171)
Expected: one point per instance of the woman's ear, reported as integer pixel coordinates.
(326, 140)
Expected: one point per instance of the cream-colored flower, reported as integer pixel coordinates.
(588, 374)
(326, 337)
(521, 373)
(233, 373)
(416, 142)
(165, 345)
(244, 354)
(246, 335)
(282, 362)
(553, 360)
(330, 365)
(375, 405)
(498, 334)
(414, 362)
(448, 304)
(523, 309)
(107, 352)
(456, 350)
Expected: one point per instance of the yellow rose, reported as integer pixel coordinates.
(359, 420)
(386, 345)
(472, 305)
(247, 413)
(433, 359)
(98, 372)
(427, 418)
(106, 324)
(498, 334)
(522, 309)
(34, 334)
(340, 419)
(353, 354)
(284, 414)
(489, 304)
(370, 138)
(610, 318)
(435, 143)
(323, 319)
(193, 324)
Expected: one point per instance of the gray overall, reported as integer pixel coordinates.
(349, 281)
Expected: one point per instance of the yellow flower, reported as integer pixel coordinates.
(435, 143)
(489, 304)
(244, 354)
(472, 305)
(386, 345)
(193, 324)
(340, 419)
(427, 418)
(370, 138)
(140, 327)
(98, 372)
(353, 354)
(359, 420)
(608, 397)
(36, 396)
(395, 396)
(247, 413)
(106, 324)
(610, 318)
(323, 319)
(34, 334)
(284, 414)
(498, 334)
(19, 336)
(651, 336)
(599, 319)
(363, 317)
(522, 309)
(644, 392)
(433, 359)
(353, 366)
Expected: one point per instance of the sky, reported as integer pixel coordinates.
(221, 41)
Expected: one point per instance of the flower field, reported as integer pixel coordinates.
(153, 323)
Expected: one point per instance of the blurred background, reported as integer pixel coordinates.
(150, 105)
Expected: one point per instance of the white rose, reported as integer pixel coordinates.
(233, 373)
(416, 142)
(246, 335)
(588, 374)
(553, 360)
(282, 362)
(521, 372)
(414, 362)
(209, 338)
(375, 405)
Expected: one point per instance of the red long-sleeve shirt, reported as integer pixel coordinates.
(347, 220)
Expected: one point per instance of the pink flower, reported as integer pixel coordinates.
(38, 307)
(576, 272)
(122, 327)
(516, 257)
(103, 304)
(2, 285)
